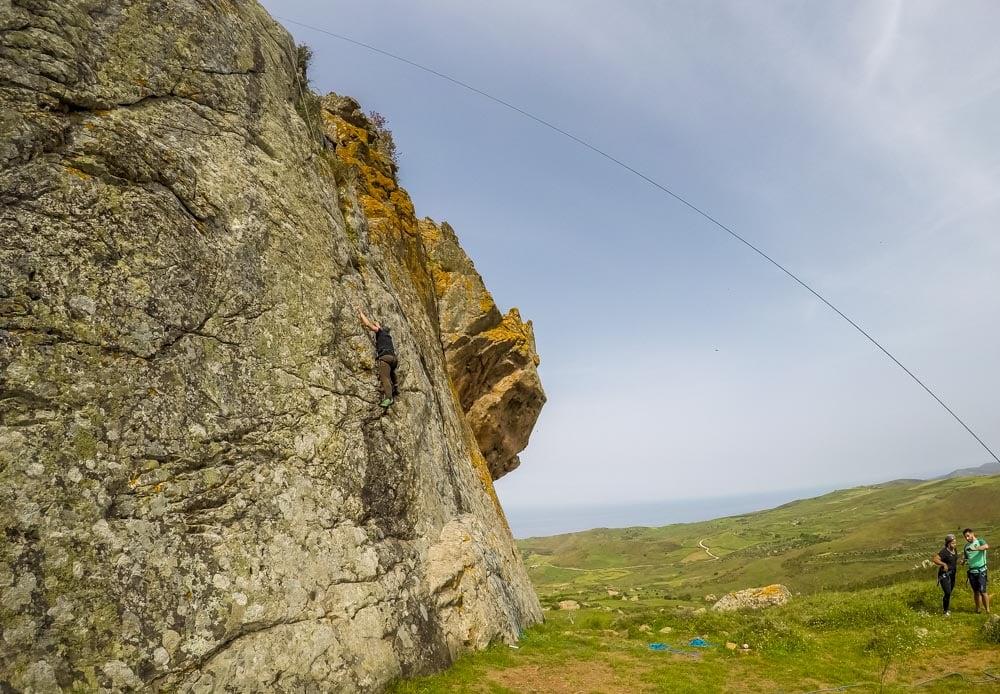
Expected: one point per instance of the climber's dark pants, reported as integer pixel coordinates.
(947, 581)
(387, 364)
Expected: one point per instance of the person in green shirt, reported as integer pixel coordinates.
(975, 557)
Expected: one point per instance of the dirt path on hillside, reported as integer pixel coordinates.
(606, 568)
(572, 677)
(701, 543)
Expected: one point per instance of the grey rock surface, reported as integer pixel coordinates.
(754, 598)
(197, 492)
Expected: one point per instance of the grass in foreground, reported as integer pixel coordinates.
(883, 640)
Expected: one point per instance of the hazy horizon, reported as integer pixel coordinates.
(554, 518)
(542, 521)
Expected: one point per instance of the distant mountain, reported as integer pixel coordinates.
(982, 470)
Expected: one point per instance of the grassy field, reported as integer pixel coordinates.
(846, 540)
(865, 613)
(880, 639)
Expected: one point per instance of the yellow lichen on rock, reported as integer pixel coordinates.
(491, 357)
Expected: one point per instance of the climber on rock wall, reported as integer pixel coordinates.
(385, 357)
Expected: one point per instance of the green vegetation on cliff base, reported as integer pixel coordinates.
(865, 609)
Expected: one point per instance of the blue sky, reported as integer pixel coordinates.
(858, 143)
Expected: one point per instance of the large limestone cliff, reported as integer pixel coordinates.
(196, 491)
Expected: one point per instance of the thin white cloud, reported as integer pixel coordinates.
(882, 49)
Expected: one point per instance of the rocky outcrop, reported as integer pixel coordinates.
(754, 598)
(491, 357)
(196, 490)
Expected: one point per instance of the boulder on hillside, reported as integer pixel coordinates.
(754, 598)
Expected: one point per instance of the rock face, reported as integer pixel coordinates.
(491, 357)
(754, 598)
(196, 490)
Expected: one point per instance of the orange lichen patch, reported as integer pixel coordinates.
(403, 204)
(442, 281)
(379, 182)
(482, 468)
(486, 303)
(430, 231)
(76, 172)
(381, 198)
(343, 131)
(512, 330)
(372, 207)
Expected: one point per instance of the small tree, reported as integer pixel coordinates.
(888, 645)
(303, 59)
(384, 144)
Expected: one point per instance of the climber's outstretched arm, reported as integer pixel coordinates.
(364, 319)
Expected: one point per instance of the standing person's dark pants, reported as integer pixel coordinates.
(387, 364)
(947, 581)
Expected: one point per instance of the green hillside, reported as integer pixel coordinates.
(845, 540)
(865, 615)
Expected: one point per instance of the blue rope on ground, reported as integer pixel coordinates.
(667, 648)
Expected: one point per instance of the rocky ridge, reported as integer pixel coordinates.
(197, 491)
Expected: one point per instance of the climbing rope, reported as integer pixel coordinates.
(302, 98)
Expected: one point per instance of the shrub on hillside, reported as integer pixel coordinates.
(991, 629)
(855, 611)
(889, 646)
(770, 635)
(767, 632)
(307, 104)
(303, 59)
(385, 143)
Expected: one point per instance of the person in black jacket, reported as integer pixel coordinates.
(947, 563)
(385, 357)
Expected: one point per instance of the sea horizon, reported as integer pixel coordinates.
(542, 521)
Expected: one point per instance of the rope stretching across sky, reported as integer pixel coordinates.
(662, 188)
